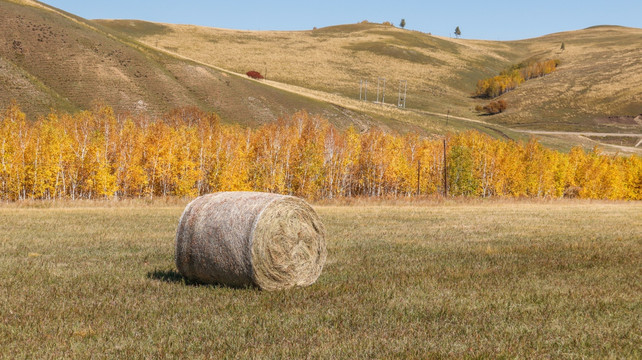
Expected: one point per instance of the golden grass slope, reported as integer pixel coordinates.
(599, 76)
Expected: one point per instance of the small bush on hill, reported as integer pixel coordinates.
(254, 75)
(494, 107)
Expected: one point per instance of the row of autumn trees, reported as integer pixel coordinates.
(185, 153)
(514, 76)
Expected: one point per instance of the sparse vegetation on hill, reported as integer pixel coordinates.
(98, 155)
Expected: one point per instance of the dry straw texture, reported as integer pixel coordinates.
(249, 238)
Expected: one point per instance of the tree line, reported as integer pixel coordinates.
(98, 154)
(514, 76)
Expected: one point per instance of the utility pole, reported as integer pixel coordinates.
(381, 81)
(405, 88)
(445, 171)
(365, 98)
(401, 101)
(363, 90)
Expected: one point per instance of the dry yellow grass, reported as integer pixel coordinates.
(27, 2)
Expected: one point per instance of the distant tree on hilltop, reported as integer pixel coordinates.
(457, 32)
(402, 24)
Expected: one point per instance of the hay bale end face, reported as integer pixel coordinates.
(248, 238)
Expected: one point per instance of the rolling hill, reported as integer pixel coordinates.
(597, 85)
(52, 59)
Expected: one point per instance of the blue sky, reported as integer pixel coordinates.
(491, 20)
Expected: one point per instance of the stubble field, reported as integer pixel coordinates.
(403, 280)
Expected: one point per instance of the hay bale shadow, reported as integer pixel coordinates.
(170, 276)
(173, 276)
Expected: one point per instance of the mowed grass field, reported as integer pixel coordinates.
(557, 279)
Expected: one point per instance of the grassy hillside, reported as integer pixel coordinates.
(599, 78)
(51, 59)
(333, 59)
(598, 85)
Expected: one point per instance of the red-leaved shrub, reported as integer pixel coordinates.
(254, 75)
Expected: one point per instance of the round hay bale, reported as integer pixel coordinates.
(250, 238)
